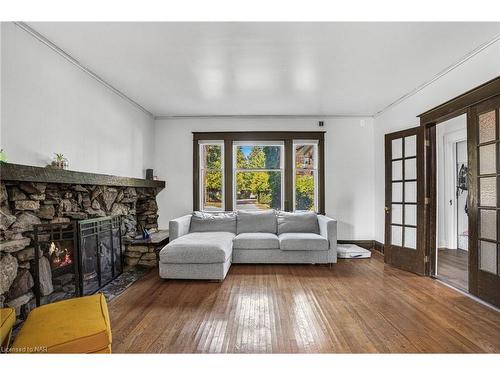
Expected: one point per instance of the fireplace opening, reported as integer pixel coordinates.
(76, 258)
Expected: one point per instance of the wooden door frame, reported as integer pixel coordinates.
(457, 106)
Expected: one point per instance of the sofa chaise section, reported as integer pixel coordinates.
(204, 255)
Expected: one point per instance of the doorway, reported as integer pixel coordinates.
(452, 257)
(481, 106)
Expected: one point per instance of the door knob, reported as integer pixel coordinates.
(386, 209)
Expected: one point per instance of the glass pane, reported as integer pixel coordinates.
(116, 248)
(411, 214)
(304, 191)
(487, 127)
(397, 191)
(488, 191)
(411, 169)
(410, 238)
(89, 264)
(488, 220)
(106, 257)
(304, 156)
(411, 146)
(488, 257)
(397, 170)
(212, 191)
(397, 148)
(212, 156)
(487, 159)
(258, 157)
(396, 235)
(258, 190)
(397, 214)
(411, 192)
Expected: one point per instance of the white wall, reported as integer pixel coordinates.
(349, 165)
(477, 70)
(448, 134)
(48, 105)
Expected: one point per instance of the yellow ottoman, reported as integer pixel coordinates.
(78, 325)
(7, 320)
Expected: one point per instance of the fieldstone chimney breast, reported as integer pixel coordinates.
(33, 195)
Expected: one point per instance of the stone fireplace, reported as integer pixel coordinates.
(30, 196)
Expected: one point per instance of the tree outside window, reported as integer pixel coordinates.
(212, 177)
(258, 176)
(305, 178)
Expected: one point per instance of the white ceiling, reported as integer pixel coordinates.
(267, 68)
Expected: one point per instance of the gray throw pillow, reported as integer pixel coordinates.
(256, 221)
(213, 222)
(297, 222)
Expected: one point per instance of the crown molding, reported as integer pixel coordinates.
(41, 38)
(439, 75)
(318, 116)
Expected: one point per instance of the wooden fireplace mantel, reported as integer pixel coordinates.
(19, 172)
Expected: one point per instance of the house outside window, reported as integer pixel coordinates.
(305, 176)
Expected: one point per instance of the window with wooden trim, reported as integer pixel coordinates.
(258, 170)
(305, 175)
(258, 175)
(211, 175)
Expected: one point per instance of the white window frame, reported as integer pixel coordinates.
(315, 170)
(202, 143)
(281, 169)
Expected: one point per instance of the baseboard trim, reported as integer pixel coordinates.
(371, 245)
(378, 246)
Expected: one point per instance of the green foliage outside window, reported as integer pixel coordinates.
(264, 187)
(213, 175)
(304, 192)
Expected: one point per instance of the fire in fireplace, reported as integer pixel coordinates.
(59, 255)
(76, 258)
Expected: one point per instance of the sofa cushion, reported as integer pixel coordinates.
(256, 241)
(302, 241)
(213, 222)
(297, 222)
(199, 247)
(256, 221)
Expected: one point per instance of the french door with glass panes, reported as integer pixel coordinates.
(404, 245)
(484, 200)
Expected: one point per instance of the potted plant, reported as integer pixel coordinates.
(60, 161)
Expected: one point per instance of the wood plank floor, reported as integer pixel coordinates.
(357, 306)
(453, 267)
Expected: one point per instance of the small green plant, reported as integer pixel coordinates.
(60, 157)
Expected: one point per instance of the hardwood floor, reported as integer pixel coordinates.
(453, 267)
(357, 306)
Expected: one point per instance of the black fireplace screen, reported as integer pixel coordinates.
(100, 259)
(76, 258)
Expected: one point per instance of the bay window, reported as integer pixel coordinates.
(258, 170)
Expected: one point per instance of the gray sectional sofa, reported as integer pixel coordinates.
(203, 245)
